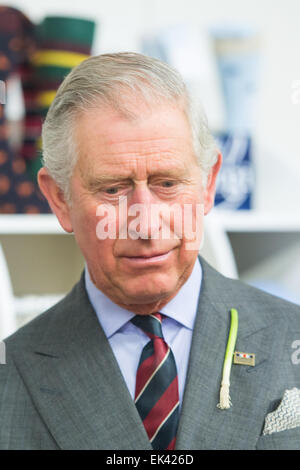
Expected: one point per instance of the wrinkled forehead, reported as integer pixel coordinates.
(160, 134)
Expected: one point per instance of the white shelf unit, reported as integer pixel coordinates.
(43, 262)
(232, 221)
(37, 224)
(42, 258)
(257, 221)
(266, 249)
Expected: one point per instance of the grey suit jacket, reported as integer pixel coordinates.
(62, 388)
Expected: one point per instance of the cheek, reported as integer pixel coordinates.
(99, 254)
(84, 223)
(188, 219)
(193, 227)
(192, 194)
(84, 220)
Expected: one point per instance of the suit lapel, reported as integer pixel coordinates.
(76, 384)
(202, 424)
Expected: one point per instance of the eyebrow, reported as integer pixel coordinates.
(94, 181)
(98, 181)
(106, 179)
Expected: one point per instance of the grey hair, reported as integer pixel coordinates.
(108, 80)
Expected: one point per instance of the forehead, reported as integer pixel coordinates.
(156, 137)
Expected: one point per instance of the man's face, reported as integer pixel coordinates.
(146, 161)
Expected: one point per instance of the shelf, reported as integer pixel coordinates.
(255, 221)
(29, 224)
(231, 221)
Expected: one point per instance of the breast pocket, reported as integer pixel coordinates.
(283, 440)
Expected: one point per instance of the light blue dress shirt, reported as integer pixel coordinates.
(127, 341)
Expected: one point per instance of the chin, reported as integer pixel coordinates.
(142, 292)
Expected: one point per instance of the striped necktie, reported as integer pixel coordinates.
(156, 390)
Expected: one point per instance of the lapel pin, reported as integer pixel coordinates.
(245, 359)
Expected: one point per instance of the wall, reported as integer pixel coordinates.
(122, 23)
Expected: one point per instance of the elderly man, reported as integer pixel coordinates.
(133, 357)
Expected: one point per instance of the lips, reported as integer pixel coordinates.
(143, 260)
(149, 255)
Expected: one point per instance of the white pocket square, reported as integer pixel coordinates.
(287, 415)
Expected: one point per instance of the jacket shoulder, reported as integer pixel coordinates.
(56, 319)
(252, 299)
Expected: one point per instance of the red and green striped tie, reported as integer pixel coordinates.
(156, 390)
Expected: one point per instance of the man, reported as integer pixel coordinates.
(133, 357)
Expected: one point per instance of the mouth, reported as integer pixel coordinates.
(149, 255)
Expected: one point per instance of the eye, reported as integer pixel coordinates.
(168, 184)
(113, 190)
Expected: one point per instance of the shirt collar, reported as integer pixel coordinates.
(182, 308)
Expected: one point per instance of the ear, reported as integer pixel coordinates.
(55, 198)
(210, 190)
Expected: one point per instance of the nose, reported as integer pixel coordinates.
(141, 222)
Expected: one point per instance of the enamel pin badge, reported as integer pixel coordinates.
(242, 358)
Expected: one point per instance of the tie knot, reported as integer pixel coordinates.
(150, 324)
